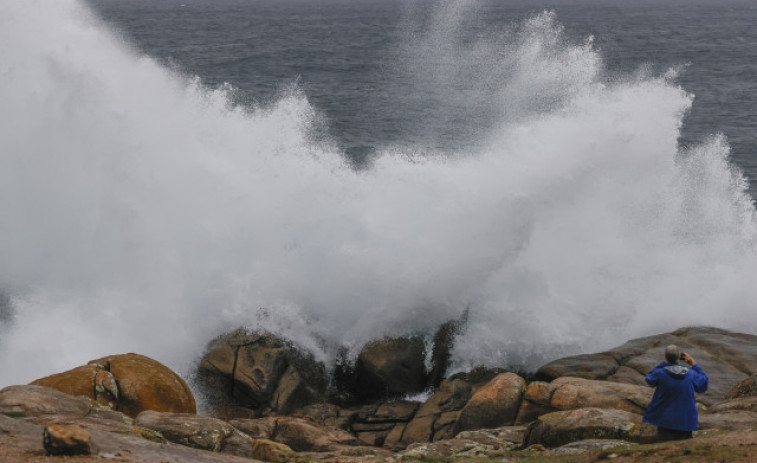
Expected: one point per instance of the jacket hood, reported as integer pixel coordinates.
(676, 371)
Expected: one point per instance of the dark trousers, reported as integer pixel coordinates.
(665, 434)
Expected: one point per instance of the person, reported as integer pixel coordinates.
(673, 408)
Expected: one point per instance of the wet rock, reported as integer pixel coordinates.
(260, 371)
(560, 428)
(391, 367)
(199, 432)
(128, 383)
(730, 357)
(495, 404)
(444, 341)
(26, 401)
(62, 439)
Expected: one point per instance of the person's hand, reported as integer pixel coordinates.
(688, 359)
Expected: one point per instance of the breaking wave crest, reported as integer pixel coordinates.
(141, 211)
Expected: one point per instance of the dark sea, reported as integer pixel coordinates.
(344, 55)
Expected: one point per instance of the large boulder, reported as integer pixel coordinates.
(560, 428)
(260, 371)
(496, 404)
(199, 432)
(391, 367)
(129, 383)
(729, 357)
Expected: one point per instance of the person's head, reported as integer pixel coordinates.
(672, 354)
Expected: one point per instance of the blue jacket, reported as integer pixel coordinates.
(673, 405)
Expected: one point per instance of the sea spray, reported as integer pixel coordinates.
(141, 211)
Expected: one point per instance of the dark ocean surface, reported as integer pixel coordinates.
(344, 55)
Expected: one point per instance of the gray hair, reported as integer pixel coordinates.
(672, 354)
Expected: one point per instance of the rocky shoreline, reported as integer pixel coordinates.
(267, 401)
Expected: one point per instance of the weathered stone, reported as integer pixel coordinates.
(62, 439)
(588, 445)
(393, 440)
(199, 432)
(571, 393)
(129, 383)
(25, 439)
(274, 452)
(743, 403)
(260, 371)
(77, 381)
(304, 436)
(261, 428)
(444, 449)
(23, 401)
(728, 420)
(745, 388)
(374, 438)
(560, 428)
(393, 412)
(722, 354)
(146, 384)
(495, 404)
(326, 415)
(535, 402)
(451, 396)
(503, 437)
(390, 368)
(444, 426)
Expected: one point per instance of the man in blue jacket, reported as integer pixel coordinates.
(673, 408)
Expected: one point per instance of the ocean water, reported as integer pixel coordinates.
(573, 173)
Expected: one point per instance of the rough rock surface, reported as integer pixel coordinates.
(568, 393)
(21, 441)
(560, 428)
(200, 432)
(435, 418)
(129, 383)
(745, 388)
(260, 371)
(391, 367)
(495, 404)
(728, 420)
(730, 357)
(62, 439)
(25, 401)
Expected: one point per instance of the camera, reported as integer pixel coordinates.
(683, 354)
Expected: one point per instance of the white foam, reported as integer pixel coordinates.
(141, 212)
